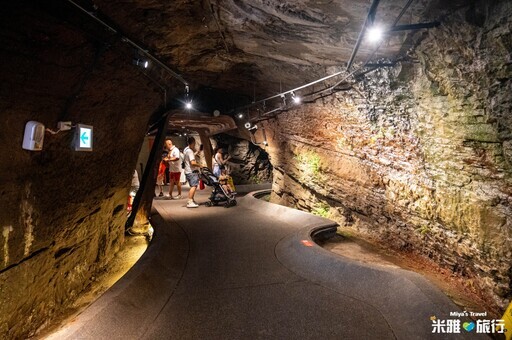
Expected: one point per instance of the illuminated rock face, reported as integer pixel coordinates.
(417, 156)
(62, 212)
(249, 163)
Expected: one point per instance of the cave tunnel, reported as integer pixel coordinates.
(364, 189)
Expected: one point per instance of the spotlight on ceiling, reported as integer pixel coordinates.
(240, 115)
(296, 99)
(141, 63)
(374, 34)
(188, 101)
(251, 127)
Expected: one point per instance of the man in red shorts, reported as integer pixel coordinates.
(174, 168)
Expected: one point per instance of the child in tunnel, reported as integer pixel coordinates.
(224, 180)
(160, 178)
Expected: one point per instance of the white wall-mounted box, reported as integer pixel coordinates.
(34, 136)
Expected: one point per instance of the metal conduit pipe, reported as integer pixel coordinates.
(298, 88)
(402, 12)
(400, 15)
(371, 14)
(132, 43)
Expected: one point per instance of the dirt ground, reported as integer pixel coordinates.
(461, 290)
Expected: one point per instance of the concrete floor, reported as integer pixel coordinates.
(246, 273)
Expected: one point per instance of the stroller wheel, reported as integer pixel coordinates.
(208, 204)
(230, 203)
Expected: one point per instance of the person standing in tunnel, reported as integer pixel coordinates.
(174, 168)
(219, 161)
(191, 172)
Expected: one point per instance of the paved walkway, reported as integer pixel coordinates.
(249, 272)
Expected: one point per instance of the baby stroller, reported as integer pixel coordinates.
(219, 195)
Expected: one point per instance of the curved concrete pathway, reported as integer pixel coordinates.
(252, 272)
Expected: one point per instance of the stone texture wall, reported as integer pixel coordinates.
(418, 156)
(249, 163)
(62, 212)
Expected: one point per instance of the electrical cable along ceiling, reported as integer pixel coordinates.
(285, 53)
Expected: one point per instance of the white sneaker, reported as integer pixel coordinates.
(177, 197)
(192, 204)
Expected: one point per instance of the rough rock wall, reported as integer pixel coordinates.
(249, 163)
(62, 212)
(418, 156)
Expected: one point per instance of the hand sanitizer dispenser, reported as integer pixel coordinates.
(34, 136)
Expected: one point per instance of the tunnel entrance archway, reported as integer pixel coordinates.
(204, 125)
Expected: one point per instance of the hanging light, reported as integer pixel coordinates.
(188, 105)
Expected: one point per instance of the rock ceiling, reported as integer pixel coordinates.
(257, 46)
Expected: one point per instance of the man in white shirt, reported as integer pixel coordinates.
(191, 165)
(174, 168)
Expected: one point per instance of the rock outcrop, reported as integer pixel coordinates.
(419, 155)
(249, 163)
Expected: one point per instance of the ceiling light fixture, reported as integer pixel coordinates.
(296, 99)
(374, 34)
(240, 115)
(144, 63)
(188, 102)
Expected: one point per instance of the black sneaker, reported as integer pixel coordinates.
(161, 194)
